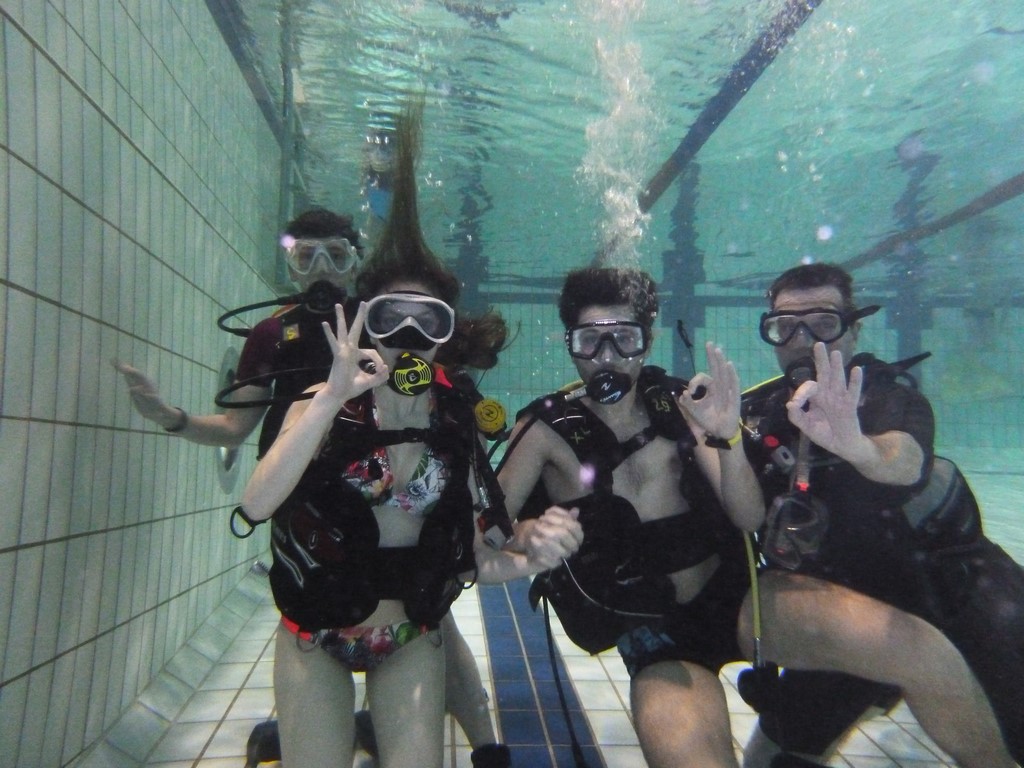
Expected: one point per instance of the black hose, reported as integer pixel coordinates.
(577, 750)
(244, 332)
(221, 399)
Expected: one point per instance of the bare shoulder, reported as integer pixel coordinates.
(536, 448)
(537, 453)
(543, 449)
(532, 441)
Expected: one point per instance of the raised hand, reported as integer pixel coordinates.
(354, 370)
(826, 409)
(712, 399)
(146, 396)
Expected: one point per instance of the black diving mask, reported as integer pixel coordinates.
(585, 340)
(820, 323)
(794, 528)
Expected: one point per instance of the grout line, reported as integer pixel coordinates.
(515, 598)
(224, 718)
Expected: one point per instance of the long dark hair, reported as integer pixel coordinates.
(402, 254)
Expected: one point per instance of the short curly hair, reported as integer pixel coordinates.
(608, 286)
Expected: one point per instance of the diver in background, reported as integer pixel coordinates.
(322, 250)
(876, 512)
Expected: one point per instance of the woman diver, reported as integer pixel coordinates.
(371, 485)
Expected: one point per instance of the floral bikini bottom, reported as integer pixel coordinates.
(363, 648)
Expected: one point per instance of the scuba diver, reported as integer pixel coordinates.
(663, 501)
(372, 488)
(873, 510)
(283, 354)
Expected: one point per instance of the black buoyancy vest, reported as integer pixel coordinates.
(942, 513)
(328, 570)
(763, 412)
(618, 578)
(754, 401)
(671, 543)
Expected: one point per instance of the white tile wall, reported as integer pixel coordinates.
(134, 189)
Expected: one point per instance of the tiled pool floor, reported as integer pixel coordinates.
(209, 727)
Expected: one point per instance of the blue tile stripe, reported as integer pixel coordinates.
(530, 715)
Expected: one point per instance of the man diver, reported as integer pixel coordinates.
(662, 498)
(874, 510)
(321, 249)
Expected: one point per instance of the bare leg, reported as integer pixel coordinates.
(811, 624)
(464, 690)
(681, 717)
(315, 696)
(406, 695)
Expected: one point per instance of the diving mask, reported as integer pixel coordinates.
(821, 324)
(389, 313)
(585, 340)
(794, 528)
(333, 253)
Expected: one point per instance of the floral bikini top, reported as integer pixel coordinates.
(373, 478)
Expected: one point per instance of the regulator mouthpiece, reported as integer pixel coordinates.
(411, 375)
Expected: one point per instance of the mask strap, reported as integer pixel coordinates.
(860, 314)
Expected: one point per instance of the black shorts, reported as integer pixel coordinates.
(702, 631)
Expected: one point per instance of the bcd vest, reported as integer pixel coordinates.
(618, 578)
(328, 570)
(942, 513)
